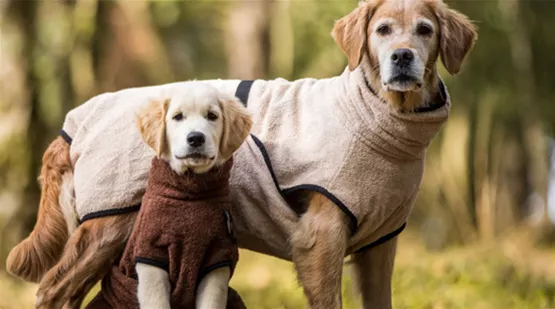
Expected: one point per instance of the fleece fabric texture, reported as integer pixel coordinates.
(110, 160)
(183, 227)
(337, 137)
(334, 136)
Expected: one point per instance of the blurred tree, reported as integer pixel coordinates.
(247, 39)
(22, 18)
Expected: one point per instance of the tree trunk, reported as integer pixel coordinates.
(533, 137)
(23, 220)
(247, 39)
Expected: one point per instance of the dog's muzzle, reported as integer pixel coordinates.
(402, 57)
(403, 73)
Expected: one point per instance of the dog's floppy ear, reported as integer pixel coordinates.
(237, 126)
(457, 38)
(350, 33)
(151, 122)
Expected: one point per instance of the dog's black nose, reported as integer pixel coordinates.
(402, 56)
(195, 139)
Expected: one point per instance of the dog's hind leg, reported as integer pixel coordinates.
(42, 248)
(318, 249)
(89, 254)
(373, 270)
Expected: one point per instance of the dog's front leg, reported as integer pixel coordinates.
(318, 249)
(373, 270)
(212, 290)
(153, 288)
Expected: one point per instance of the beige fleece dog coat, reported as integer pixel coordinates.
(334, 136)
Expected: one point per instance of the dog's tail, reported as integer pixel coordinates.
(43, 247)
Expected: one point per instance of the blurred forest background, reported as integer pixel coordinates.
(481, 235)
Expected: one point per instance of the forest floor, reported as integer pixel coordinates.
(507, 274)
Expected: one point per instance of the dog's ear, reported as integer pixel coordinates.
(350, 33)
(237, 126)
(457, 38)
(151, 122)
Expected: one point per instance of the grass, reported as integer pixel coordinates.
(504, 275)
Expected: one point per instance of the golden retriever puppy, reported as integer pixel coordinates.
(332, 166)
(193, 126)
(182, 249)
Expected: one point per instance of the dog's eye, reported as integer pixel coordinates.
(178, 117)
(424, 29)
(211, 116)
(384, 30)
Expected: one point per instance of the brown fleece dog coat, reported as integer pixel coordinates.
(183, 227)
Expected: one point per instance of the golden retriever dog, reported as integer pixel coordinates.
(331, 168)
(186, 132)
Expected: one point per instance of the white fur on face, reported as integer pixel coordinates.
(402, 34)
(195, 109)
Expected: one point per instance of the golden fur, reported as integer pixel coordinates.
(87, 256)
(236, 120)
(318, 249)
(41, 250)
(319, 245)
(151, 124)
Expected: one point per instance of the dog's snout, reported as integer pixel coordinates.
(402, 56)
(195, 139)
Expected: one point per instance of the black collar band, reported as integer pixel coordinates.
(439, 101)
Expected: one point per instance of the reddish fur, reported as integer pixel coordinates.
(318, 248)
(372, 271)
(88, 255)
(350, 33)
(457, 38)
(41, 249)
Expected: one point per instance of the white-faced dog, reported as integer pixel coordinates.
(182, 249)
